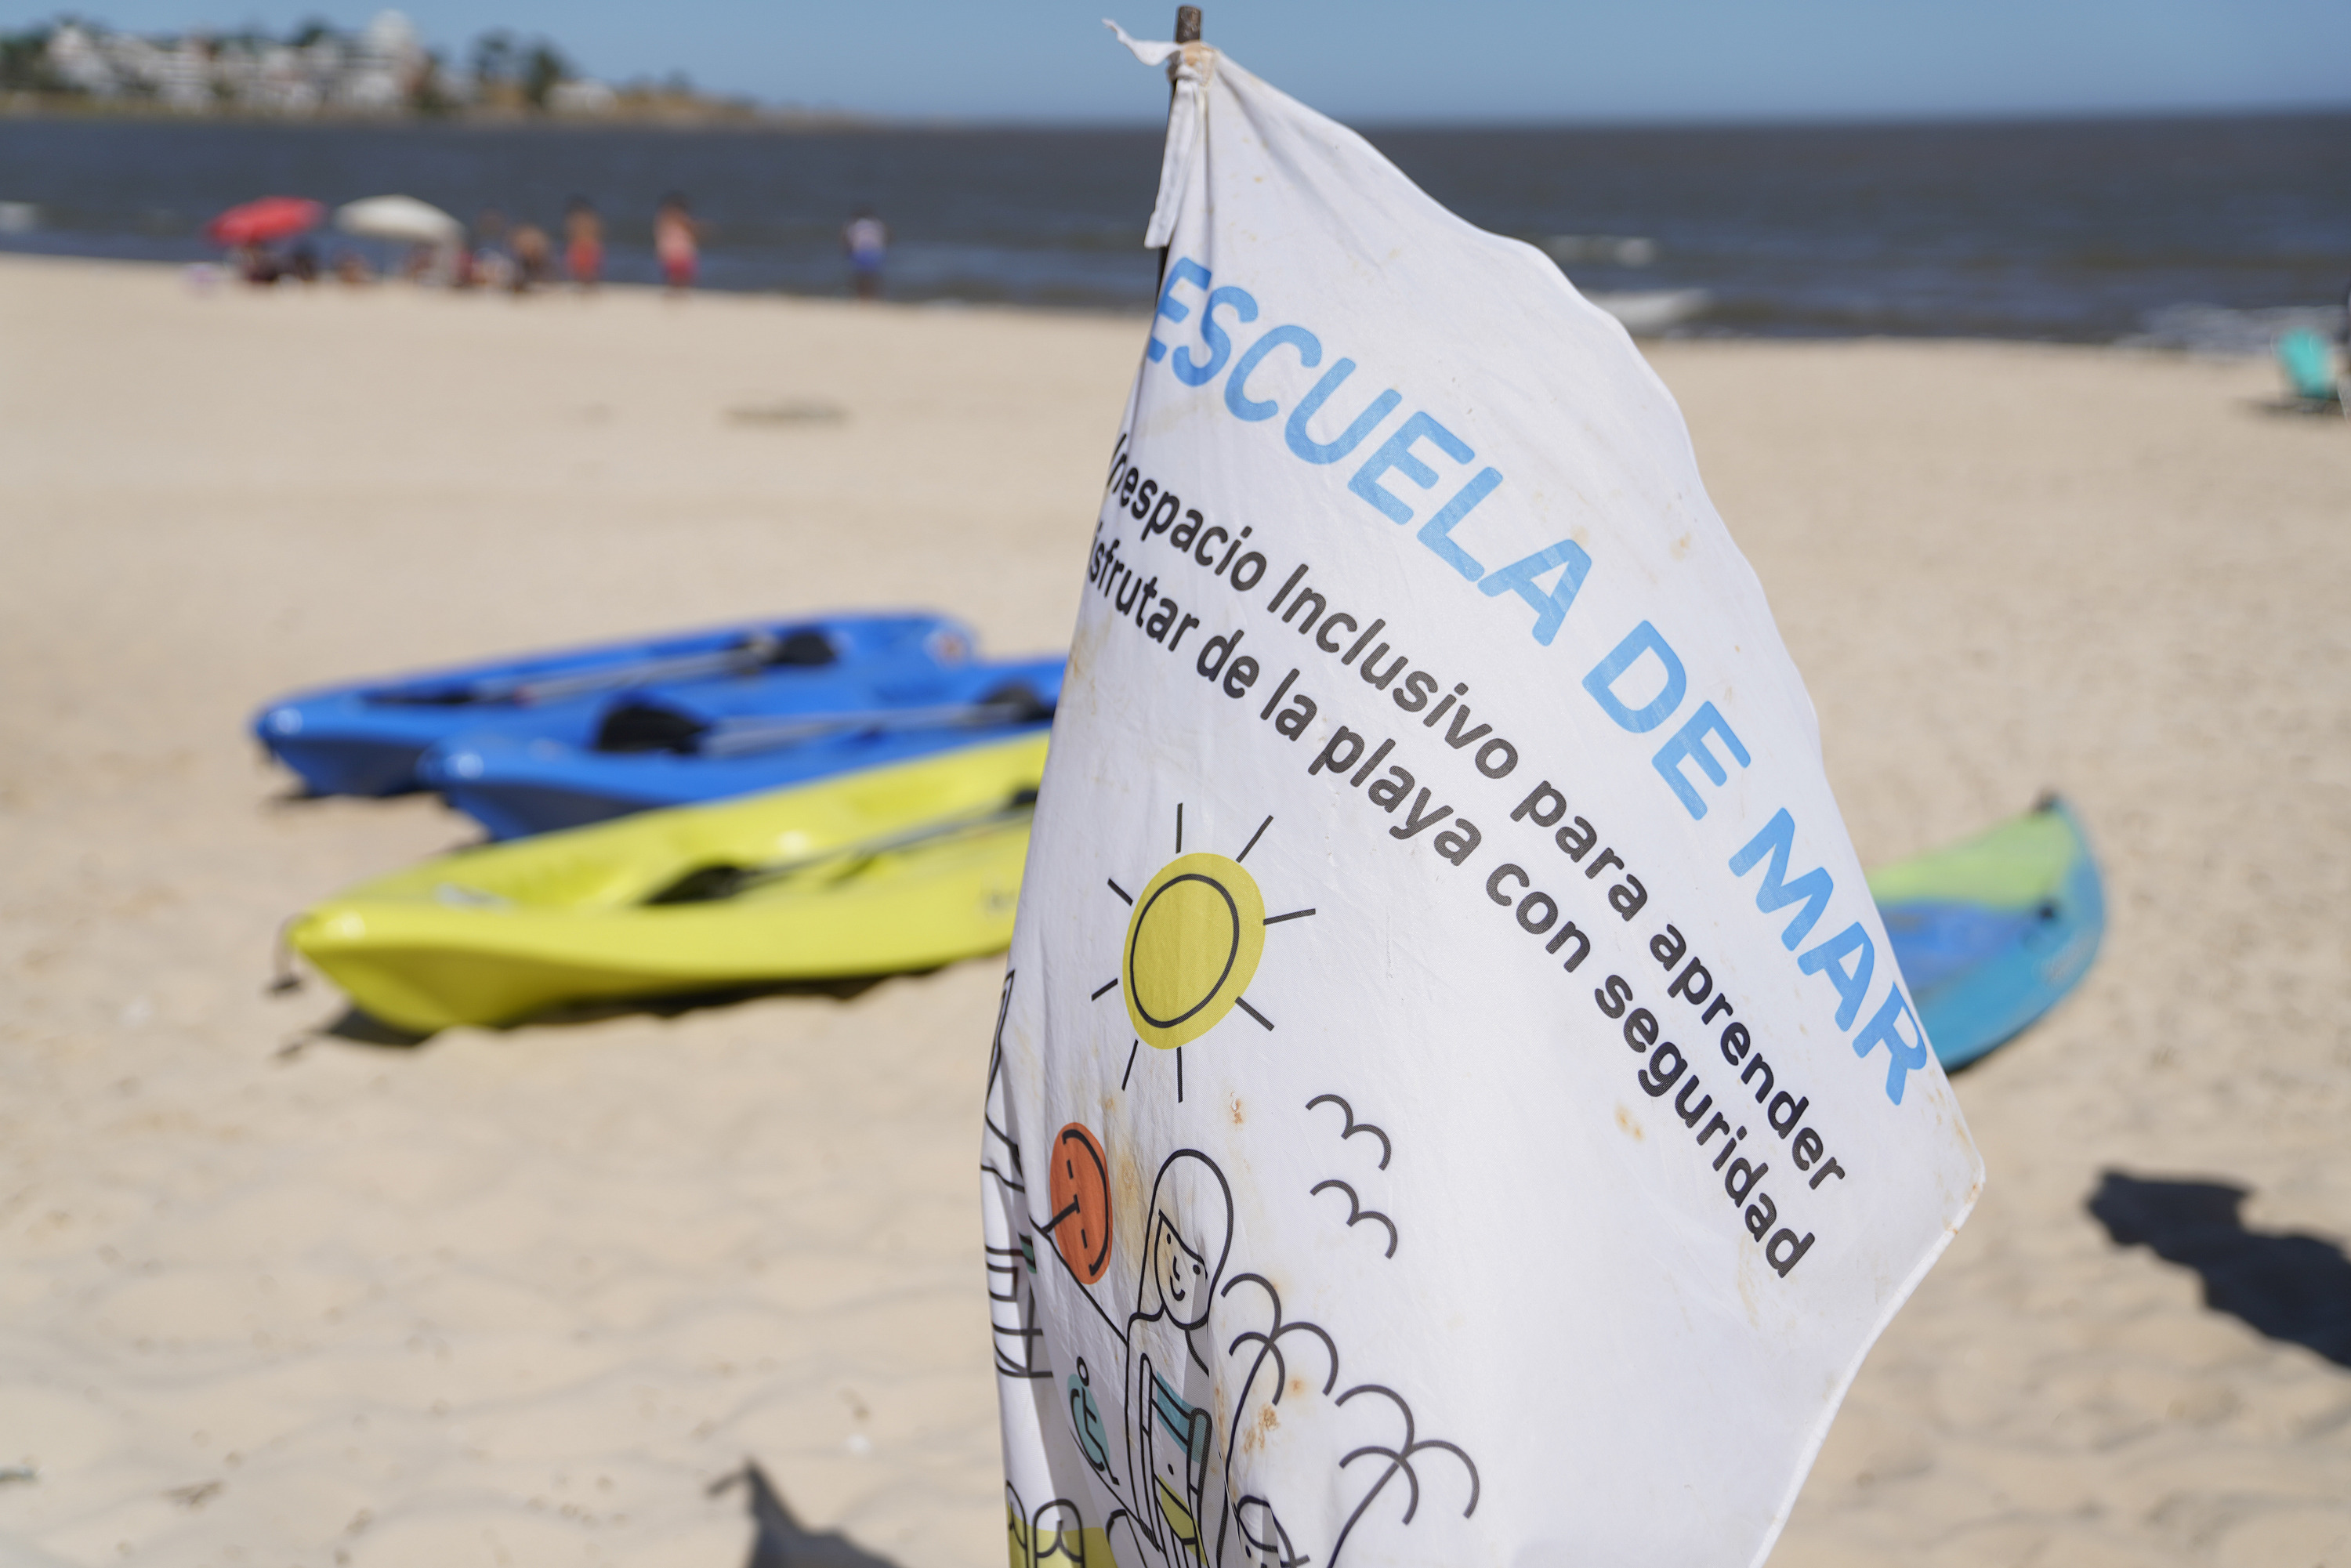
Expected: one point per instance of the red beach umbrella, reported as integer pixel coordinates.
(257, 223)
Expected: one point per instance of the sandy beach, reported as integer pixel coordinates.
(274, 1295)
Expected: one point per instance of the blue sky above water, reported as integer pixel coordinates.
(1049, 61)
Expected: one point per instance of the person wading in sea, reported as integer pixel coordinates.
(676, 243)
(867, 241)
(534, 258)
(583, 244)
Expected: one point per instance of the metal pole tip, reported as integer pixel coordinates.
(1188, 24)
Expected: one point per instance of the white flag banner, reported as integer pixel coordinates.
(1454, 1100)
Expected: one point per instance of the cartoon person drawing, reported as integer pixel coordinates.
(1086, 1422)
(1187, 1236)
(1175, 1455)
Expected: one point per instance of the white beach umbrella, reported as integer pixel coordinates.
(399, 218)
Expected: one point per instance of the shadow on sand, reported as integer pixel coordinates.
(353, 1027)
(2289, 1286)
(782, 1542)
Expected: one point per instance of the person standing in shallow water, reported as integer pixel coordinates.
(866, 240)
(534, 258)
(676, 243)
(489, 264)
(583, 244)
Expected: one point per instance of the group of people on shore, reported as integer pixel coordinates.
(523, 257)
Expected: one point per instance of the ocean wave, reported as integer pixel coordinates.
(2216, 329)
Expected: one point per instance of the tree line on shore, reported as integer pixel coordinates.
(384, 69)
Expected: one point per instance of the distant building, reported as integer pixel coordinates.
(77, 61)
(183, 76)
(389, 65)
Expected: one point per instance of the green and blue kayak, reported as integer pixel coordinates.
(1994, 932)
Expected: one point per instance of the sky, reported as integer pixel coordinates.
(1384, 61)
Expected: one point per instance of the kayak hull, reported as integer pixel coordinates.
(350, 764)
(1992, 933)
(410, 969)
(1989, 934)
(495, 935)
(367, 737)
(517, 786)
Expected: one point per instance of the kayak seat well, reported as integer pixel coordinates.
(1020, 703)
(424, 697)
(806, 649)
(641, 727)
(709, 883)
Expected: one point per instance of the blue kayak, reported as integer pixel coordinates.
(366, 737)
(1994, 932)
(677, 746)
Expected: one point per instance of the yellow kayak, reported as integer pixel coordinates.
(887, 870)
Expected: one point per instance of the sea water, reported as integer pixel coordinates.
(2195, 231)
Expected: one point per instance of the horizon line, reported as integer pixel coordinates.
(1794, 120)
(754, 116)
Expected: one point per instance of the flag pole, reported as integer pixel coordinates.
(1187, 31)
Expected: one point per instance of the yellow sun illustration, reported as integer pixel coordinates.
(1193, 936)
(1192, 947)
